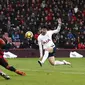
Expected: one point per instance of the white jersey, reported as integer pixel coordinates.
(46, 40)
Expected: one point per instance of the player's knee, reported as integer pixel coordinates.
(52, 63)
(11, 68)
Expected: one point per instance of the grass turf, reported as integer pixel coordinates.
(46, 75)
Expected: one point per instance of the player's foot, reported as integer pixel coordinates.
(40, 63)
(20, 73)
(66, 63)
(4, 76)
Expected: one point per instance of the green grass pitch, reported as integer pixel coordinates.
(46, 75)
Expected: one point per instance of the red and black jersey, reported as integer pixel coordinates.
(1, 54)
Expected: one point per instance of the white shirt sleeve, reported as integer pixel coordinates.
(57, 30)
(40, 47)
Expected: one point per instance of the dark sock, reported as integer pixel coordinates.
(11, 68)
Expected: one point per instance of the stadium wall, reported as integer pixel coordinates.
(30, 53)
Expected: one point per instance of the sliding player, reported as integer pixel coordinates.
(4, 62)
(45, 43)
(4, 75)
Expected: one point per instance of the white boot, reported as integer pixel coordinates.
(66, 62)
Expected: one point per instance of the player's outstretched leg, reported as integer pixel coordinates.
(57, 62)
(4, 75)
(5, 64)
(43, 58)
(11, 68)
(66, 62)
(20, 72)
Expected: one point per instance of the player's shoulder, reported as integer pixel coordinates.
(39, 37)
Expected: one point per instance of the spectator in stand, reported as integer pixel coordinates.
(36, 13)
(21, 34)
(15, 37)
(10, 45)
(70, 35)
(81, 46)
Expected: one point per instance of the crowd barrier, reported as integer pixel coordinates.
(31, 53)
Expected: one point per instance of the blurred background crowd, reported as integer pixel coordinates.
(20, 16)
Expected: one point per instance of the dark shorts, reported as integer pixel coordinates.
(3, 62)
(53, 53)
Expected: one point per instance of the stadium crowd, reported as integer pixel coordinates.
(19, 16)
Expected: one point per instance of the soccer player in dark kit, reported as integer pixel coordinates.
(4, 62)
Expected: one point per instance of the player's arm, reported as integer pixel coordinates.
(40, 47)
(58, 28)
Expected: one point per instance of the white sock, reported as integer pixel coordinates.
(45, 57)
(58, 62)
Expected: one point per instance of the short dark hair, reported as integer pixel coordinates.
(44, 26)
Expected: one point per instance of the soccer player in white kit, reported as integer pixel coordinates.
(45, 43)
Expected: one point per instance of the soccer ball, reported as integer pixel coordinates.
(28, 34)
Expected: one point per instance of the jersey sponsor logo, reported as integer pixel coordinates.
(44, 42)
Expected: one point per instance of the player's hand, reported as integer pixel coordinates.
(59, 21)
